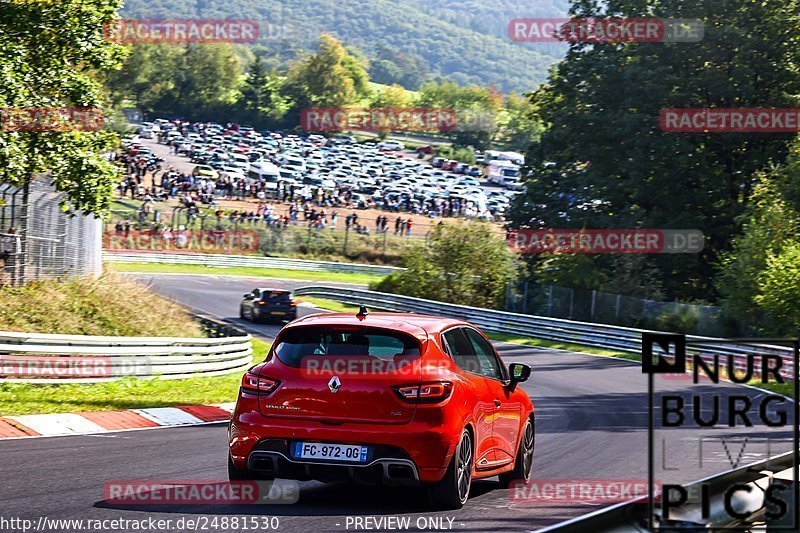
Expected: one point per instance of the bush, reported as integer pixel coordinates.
(110, 305)
(684, 321)
(465, 155)
(466, 264)
(779, 290)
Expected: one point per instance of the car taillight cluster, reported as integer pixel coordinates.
(433, 392)
(254, 384)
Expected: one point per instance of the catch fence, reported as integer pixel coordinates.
(39, 240)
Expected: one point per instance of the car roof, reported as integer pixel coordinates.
(420, 326)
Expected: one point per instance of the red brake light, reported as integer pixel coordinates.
(254, 384)
(434, 392)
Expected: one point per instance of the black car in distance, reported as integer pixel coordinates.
(268, 305)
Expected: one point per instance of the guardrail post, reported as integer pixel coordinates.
(525, 299)
(571, 302)
(594, 298)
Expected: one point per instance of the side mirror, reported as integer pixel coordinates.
(249, 296)
(519, 373)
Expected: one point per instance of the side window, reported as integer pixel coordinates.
(487, 359)
(461, 350)
(256, 294)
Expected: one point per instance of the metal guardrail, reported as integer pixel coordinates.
(49, 358)
(227, 261)
(605, 336)
(630, 516)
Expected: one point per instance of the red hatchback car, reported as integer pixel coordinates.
(385, 397)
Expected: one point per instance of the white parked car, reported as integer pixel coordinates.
(391, 146)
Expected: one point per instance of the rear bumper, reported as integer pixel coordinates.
(275, 314)
(386, 470)
(403, 453)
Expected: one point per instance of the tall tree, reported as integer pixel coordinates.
(476, 110)
(193, 81)
(261, 102)
(460, 263)
(51, 55)
(330, 78)
(604, 162)
(518, 124)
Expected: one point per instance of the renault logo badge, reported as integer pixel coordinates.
(335, 384)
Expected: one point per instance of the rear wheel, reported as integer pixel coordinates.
(452, 491)
(523, 466)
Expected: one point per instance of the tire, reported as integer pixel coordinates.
(452, 491)
(523, 465)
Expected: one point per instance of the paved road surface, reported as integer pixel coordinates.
(591, 424)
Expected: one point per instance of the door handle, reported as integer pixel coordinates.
(497, 402)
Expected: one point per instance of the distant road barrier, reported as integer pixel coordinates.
(227, 261)
(49, 358)
(606, 336)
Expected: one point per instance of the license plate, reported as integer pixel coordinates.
(278, 312)
(330, 452)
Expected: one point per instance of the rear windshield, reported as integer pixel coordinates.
(268, 296)
(384, 345)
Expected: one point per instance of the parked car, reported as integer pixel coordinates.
(205, 171)
(461, 168)
(268, 305)
(384, 397)
(391, 146)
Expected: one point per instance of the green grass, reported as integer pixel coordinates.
(360, 279)
(527, 341)
(784, 389)
(330, 305)
(110, 305)
(129, 393)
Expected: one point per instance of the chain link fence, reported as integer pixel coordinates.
(39, 241)
(616, 309)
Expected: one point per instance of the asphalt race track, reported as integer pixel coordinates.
(591, 424)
